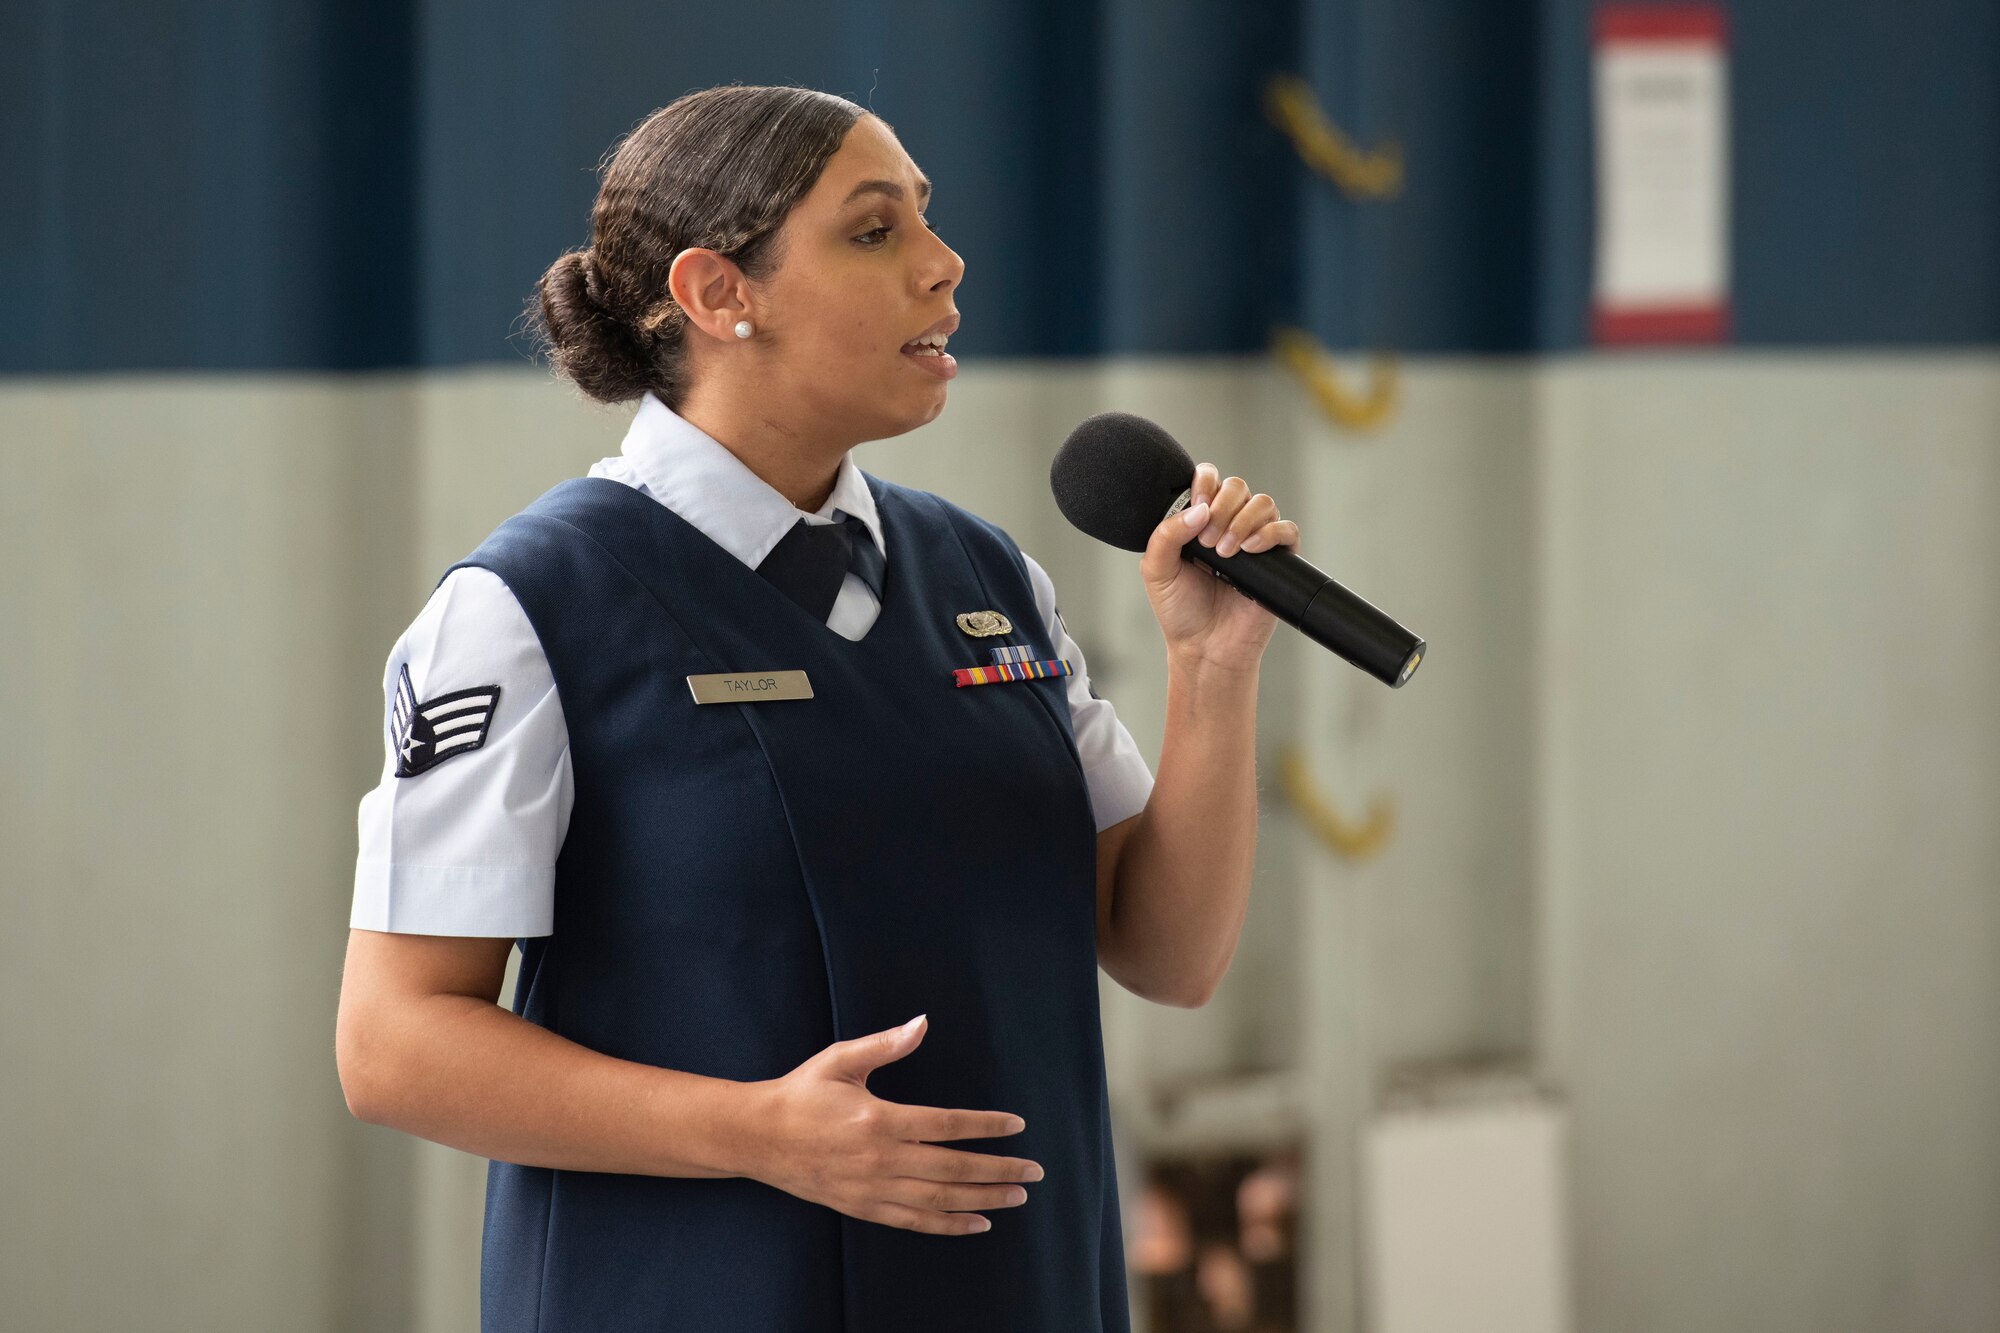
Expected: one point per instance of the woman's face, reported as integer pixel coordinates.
(860, 275)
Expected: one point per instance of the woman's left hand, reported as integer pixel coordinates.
(1205, 621)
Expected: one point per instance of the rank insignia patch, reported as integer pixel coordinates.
(431, 732)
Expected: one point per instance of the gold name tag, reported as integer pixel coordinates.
(749, 687)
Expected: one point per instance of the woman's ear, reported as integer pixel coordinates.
(711, 289)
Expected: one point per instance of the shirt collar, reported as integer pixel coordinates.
(691, 473)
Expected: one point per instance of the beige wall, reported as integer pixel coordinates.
(1771, 869)
(193, 579)
(1693, 795)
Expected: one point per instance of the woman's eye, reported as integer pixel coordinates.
(879, 232)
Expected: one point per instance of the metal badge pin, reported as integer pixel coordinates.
(984, 624)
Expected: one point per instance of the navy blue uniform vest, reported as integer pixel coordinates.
(743, 884)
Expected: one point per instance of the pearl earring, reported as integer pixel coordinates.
(743, 328)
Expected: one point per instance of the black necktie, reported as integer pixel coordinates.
(809, 562)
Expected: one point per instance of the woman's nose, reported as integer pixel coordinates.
(954, 270)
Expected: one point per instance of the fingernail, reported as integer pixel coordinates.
(981, 1224)
(1017, 1123)
(1196, 515)
(1017, 1195)
(911, 1026)
(1227, 546)
(1033, 1173)
(1254, 542)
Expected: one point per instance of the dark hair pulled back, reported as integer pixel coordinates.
(719, 169)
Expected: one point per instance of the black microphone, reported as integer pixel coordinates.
(1118, 475)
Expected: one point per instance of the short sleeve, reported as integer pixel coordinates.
(461, 838)
(1113, 769)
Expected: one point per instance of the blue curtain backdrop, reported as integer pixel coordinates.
(346, 184)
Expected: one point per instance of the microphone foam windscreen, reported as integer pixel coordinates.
(1116, 476)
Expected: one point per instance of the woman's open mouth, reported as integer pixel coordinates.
(930, 357)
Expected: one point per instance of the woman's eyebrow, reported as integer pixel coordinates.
(890, 188)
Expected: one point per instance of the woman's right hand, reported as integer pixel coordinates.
(825, 1138)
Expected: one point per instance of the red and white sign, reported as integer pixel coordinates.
(1660, 80)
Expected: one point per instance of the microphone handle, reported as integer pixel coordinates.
(1290, 588)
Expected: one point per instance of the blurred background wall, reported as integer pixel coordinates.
(1693, 795)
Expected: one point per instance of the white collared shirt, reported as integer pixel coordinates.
(468, 847)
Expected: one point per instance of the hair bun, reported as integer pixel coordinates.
(593, 279)
(587, 343)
